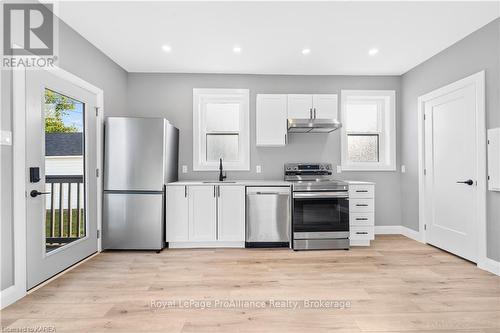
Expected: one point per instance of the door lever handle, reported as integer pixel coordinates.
(36, 193)
(468, 182)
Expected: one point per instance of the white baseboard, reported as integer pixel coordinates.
(10, 295)
(490, 265)
(398, 230)
(208, 244)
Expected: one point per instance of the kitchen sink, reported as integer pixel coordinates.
(218, 182)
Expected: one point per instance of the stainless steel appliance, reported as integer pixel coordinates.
(268, 216)
(140, 157)
(320, 213)
(313, 125)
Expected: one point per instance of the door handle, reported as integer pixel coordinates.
(36, 193)
(310, 113)
(314, 113)
(468, 182)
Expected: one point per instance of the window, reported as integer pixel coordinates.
(368, 134)
(221, 129)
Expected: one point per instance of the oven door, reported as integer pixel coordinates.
(320, 214)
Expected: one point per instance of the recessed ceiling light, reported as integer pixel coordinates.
(166, 48)
(306, 51)
(237, 49)
(372, 52)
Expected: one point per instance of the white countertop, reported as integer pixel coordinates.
(252, 182)
(232, 182)
(358, 182)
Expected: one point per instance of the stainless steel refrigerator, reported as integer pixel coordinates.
(140, 157)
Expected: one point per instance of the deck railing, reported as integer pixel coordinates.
(65, 221)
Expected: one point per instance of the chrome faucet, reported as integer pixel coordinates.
(222, 176)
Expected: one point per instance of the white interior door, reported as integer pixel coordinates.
(61, 184)
(451, 172)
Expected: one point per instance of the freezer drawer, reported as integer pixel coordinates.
(268, 214)
(133, 221)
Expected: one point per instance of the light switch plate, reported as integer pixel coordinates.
(258, 168)
(403, 168)
(184, 169)
(6, 138)
(339, 169)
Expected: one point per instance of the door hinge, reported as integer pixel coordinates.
(424, 116)
(425, 226)
(98, 234)
(97, 173)
(425, 172)
(97, 112)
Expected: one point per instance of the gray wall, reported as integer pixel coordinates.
(171, 96)
(81, 58)
(478, 51)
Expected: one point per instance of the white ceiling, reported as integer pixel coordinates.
(272, 34)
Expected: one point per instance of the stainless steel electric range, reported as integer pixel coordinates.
(320, 213)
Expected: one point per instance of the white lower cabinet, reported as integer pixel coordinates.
(202, 213)
(205, 216)
(177, 211)
(231, 214)
(361, 214)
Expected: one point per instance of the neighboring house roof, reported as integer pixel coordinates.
(63, 144)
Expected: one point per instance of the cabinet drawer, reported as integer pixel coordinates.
(361, 205)
(361, 219)
(362, 233)
(361, 191)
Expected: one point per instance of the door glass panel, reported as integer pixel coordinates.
(64, 170)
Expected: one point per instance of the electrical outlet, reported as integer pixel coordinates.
(184, 169)
(339, 169)
(6, 138)
(258, 168)
(403, 168)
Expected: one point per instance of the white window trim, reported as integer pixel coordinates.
(387, 148)
(199, 145)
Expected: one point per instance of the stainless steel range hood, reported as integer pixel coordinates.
(313, 125)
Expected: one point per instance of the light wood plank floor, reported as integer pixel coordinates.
(395, 285)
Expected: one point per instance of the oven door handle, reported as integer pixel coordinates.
(320, 195)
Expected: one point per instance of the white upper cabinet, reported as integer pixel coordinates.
(319, 106)
(271, 117)
(176, 229)
(202, 213)
(325, 106)
(300, 106)
(231, 214)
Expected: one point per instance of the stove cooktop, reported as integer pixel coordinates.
(313, 177)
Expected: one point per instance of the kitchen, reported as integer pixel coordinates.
(304, 176)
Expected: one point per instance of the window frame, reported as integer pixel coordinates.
(386, 99)
(203, 96)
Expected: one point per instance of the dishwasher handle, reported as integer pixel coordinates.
(269, 193)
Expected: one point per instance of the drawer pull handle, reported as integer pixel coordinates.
(361, 219)
(361, 191)
(361, 233)
(361, 205)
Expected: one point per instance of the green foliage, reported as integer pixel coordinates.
(57, 106)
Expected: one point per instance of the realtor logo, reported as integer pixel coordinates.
(28, 29)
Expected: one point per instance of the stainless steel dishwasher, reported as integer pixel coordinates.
(268, 216)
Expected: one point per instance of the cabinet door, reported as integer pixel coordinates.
(202, 213)
(325, 106)
(176, 207)
(300, 106)
(231, 213)
(271, 118)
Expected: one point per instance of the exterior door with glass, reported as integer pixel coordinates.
(61, 183)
